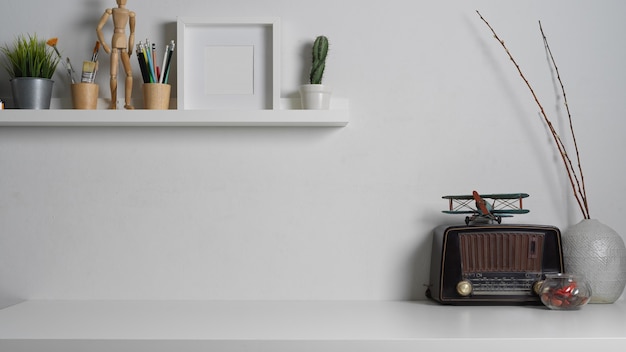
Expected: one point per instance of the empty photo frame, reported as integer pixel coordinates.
(228, 63)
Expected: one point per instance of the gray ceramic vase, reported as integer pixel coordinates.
(598, 253)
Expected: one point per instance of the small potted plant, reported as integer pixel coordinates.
(316, 95)
(30, 64)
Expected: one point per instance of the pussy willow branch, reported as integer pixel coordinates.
(581, 185)
(571, 171)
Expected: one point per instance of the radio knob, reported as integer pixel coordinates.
(537, 287)
(464, 288)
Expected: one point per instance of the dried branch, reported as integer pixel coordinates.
(581, 185)
(579, 193)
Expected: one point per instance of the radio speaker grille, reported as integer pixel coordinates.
(501, 252)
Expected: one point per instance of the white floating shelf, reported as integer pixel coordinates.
(281, 326)
(96, 118)
(337, 116)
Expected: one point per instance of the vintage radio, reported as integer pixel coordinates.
(491, 263)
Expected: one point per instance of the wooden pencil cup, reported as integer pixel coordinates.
(156, 96)
(85, 96)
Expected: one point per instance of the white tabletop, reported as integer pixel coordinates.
(297, 324)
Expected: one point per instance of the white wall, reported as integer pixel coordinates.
(311, 213)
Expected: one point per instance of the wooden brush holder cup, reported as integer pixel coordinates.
(156, 96)
(85, 96)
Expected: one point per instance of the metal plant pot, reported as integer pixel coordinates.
(32, 92)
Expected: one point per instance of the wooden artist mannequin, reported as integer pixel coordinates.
(119, 48)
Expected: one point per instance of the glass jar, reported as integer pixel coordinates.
(564, 291)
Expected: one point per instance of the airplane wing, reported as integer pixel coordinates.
(509, 211)
(490, 196)
(505, 195)
(459, 212)
(461, 197)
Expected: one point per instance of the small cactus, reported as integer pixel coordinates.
(320, 50)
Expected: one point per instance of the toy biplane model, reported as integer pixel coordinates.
(502, 205)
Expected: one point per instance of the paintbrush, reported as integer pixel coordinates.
(96, 49)
(89, 72)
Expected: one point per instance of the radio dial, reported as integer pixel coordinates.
(464, 288)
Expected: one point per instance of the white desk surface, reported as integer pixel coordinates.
(303, 326)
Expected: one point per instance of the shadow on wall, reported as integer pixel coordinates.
(420, 267)
(8, 300)
(419, 261)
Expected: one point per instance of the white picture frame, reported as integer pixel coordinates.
(228, 63)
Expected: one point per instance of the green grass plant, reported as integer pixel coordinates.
(29, 57)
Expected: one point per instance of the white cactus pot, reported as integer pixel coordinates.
(315, 96)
